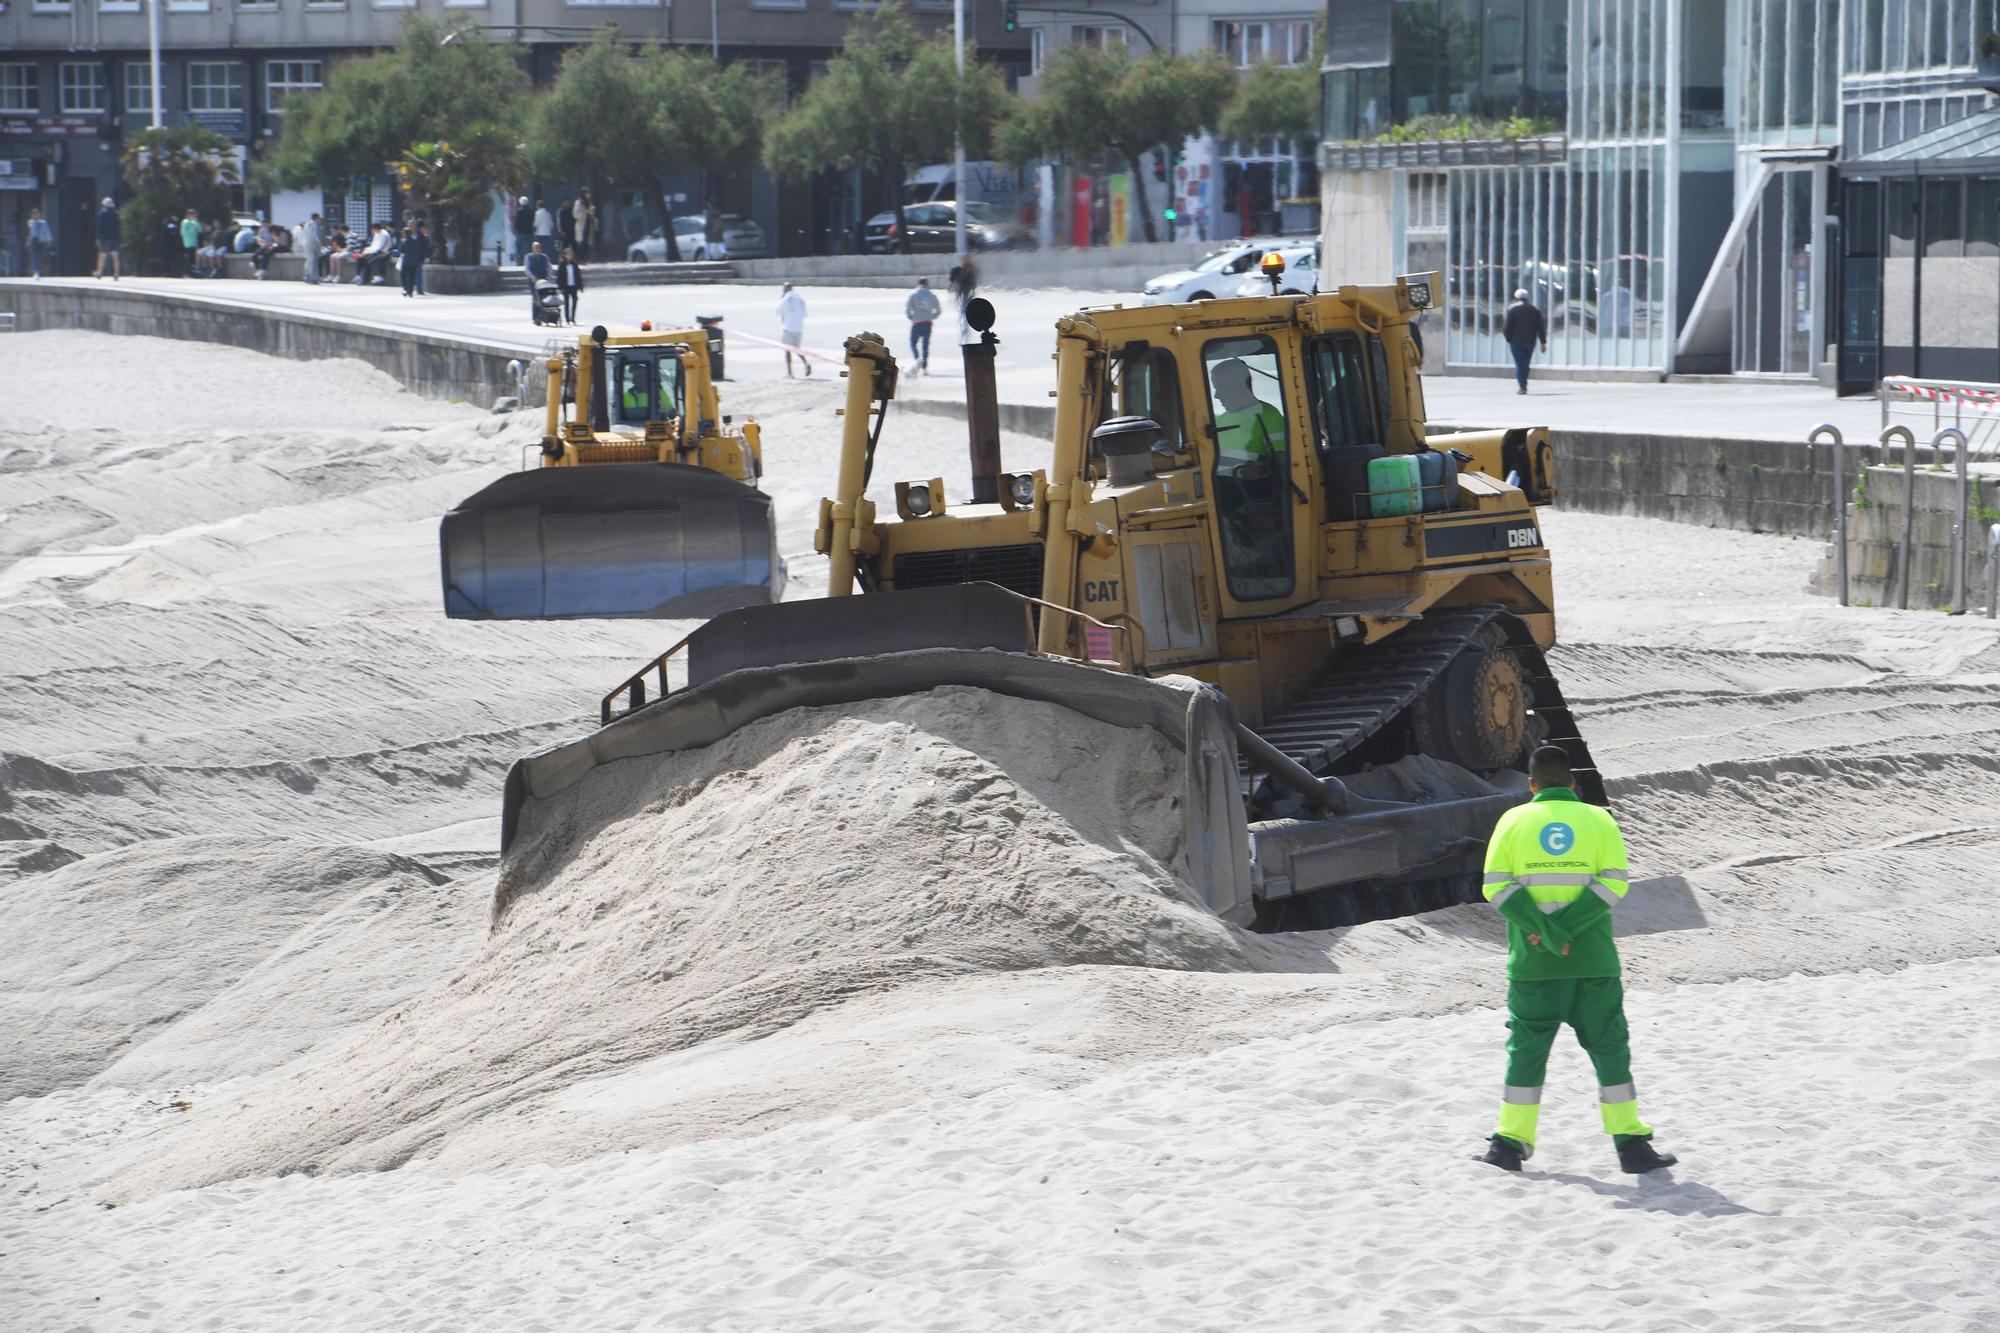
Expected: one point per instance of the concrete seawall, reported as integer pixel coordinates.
(435, 365)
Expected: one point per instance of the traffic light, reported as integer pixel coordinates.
(1160, 168)
(1010, 15)
(1173, 214)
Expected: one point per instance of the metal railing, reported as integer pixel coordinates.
(1971, 408)
(1993, 571)
(1119, 644)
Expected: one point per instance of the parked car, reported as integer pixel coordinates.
(1301, 276)
(741, 239)
(1217, 274)
(933, 229)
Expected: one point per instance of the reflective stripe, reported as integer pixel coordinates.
(1606, 892)
(1497, 877)
(1573, 881)
(1621, 876)
(1618, 1092)
(1505, 894)
(1517, 1096)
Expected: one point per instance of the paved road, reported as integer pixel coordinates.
(1025, 370)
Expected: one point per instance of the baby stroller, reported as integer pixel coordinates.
(548, 302)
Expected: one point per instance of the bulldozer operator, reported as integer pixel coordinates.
(1250, 427)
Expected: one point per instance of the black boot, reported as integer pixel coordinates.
(1504, 1153)
(1638, 1156)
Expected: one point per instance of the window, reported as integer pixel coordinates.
(777, 4)
(138, 88)
(17, 88)
(215, 85)
(1343, 413)
(1246, 44)
(1143, 384)
(52, 6)
(636, 402)
(1253, 473)
(117, 6)
(1104, 39)
(284, 79)
(83, 88)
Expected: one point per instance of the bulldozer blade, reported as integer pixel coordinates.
(651, 540)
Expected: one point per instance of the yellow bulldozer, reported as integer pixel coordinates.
(1246, 540)
(645, 502)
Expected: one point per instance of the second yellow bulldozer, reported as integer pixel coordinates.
(1246, 540)
(645, 502)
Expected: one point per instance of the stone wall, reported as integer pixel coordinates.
(1875, 529)
(435, 365)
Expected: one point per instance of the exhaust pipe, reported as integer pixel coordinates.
(982, 403)
(600, 408)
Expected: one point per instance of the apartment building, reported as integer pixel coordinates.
(76, 77)
(1216, 189)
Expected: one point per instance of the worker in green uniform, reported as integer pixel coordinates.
(1554, 867)
(1248, 427)
(636, 403)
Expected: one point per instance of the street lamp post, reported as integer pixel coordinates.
(959, 143)
(153, 37)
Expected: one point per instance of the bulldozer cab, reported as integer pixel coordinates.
(644, 502)
(648, 385)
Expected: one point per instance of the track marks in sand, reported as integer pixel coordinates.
(113, 953)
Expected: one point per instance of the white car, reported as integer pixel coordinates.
(1301, 276)
(1218, 274)
(690, 232)
(741, 238)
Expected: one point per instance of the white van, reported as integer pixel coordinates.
(985, 182)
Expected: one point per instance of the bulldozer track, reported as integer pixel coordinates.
(1364, 691)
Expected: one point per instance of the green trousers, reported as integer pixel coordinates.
(1595, 1008)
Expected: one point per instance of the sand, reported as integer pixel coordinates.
(885, 1016)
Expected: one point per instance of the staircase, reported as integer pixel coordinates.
(692, 273)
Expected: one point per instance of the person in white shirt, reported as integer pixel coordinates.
(374, 266)
(792, 329)
(545, 227)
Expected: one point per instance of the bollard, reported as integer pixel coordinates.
(1827, 428)
(1959, 535)
(1909, 513)
(1992, 571)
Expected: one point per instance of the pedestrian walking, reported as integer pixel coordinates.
(110, 237)
(1523, 327)
(1554, 868)
(524, 229)
(545, 227)
(583, 224)
(921, 308)
(566, 225)
(309, 247)
(40, 242)
(569, 279)
(964, 282)
(792, 329)
(190, 242)
(416, 249)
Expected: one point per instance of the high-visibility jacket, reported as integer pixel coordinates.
(1554, 868)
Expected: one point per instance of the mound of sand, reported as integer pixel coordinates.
(206, 958)
(814, 859)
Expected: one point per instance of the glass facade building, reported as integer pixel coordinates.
(1664, 177)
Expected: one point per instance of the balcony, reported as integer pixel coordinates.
(1383, 154)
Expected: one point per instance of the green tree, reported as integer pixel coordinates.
(1276, 100)
(707, 119)
(452, 183)
(1098, 104)
(698, 117)
(571, 138)
(442, 83)
(170, 171)
(890, 100)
